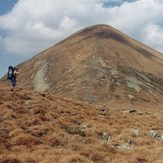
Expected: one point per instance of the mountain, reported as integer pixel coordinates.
(97, 64)
(94, 97)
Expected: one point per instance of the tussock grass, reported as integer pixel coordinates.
(45, 128)
(25, 139)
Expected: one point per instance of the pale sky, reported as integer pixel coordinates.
(28, 27)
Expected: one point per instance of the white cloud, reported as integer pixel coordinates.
(153, 35)
(67, 23)
(133, 17)
(31, 26)
(141, 20)
(1, 41)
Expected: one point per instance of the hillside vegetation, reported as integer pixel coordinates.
(42, 128)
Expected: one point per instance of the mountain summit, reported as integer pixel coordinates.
(97, 64)
(116, 77)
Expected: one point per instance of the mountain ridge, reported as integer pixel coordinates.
(97, 64)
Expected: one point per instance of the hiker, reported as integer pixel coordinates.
(12, 74)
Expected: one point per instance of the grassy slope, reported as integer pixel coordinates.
(44, 128)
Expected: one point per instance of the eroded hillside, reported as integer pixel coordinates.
(97, 64)
(41, 127)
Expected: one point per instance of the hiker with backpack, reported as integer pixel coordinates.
(12, 74)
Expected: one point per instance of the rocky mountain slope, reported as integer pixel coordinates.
(43, 128)
(96, 96)
(97, 64)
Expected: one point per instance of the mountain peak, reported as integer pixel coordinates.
(97, 64)
(100, 31)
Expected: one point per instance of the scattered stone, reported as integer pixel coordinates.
(125, 146)
(156, 134)
(132, 111)
(153, 133)
(84, 126)
(131, 96)
(106, 136)
(130, 141)
(104, 110)
(136, 132)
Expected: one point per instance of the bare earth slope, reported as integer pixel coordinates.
(40, 127)
(98, 64)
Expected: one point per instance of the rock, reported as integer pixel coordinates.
(125, 146)
(156, 134)
(136, 132)
(159, 136)
(153, 133)
(106, 136)
(132, 111)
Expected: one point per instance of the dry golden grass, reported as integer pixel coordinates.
(44, 128)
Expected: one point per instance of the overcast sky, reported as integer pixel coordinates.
(29, 26)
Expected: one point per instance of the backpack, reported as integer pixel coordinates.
(10, 73)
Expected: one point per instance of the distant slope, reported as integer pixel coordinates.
(97, 64)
